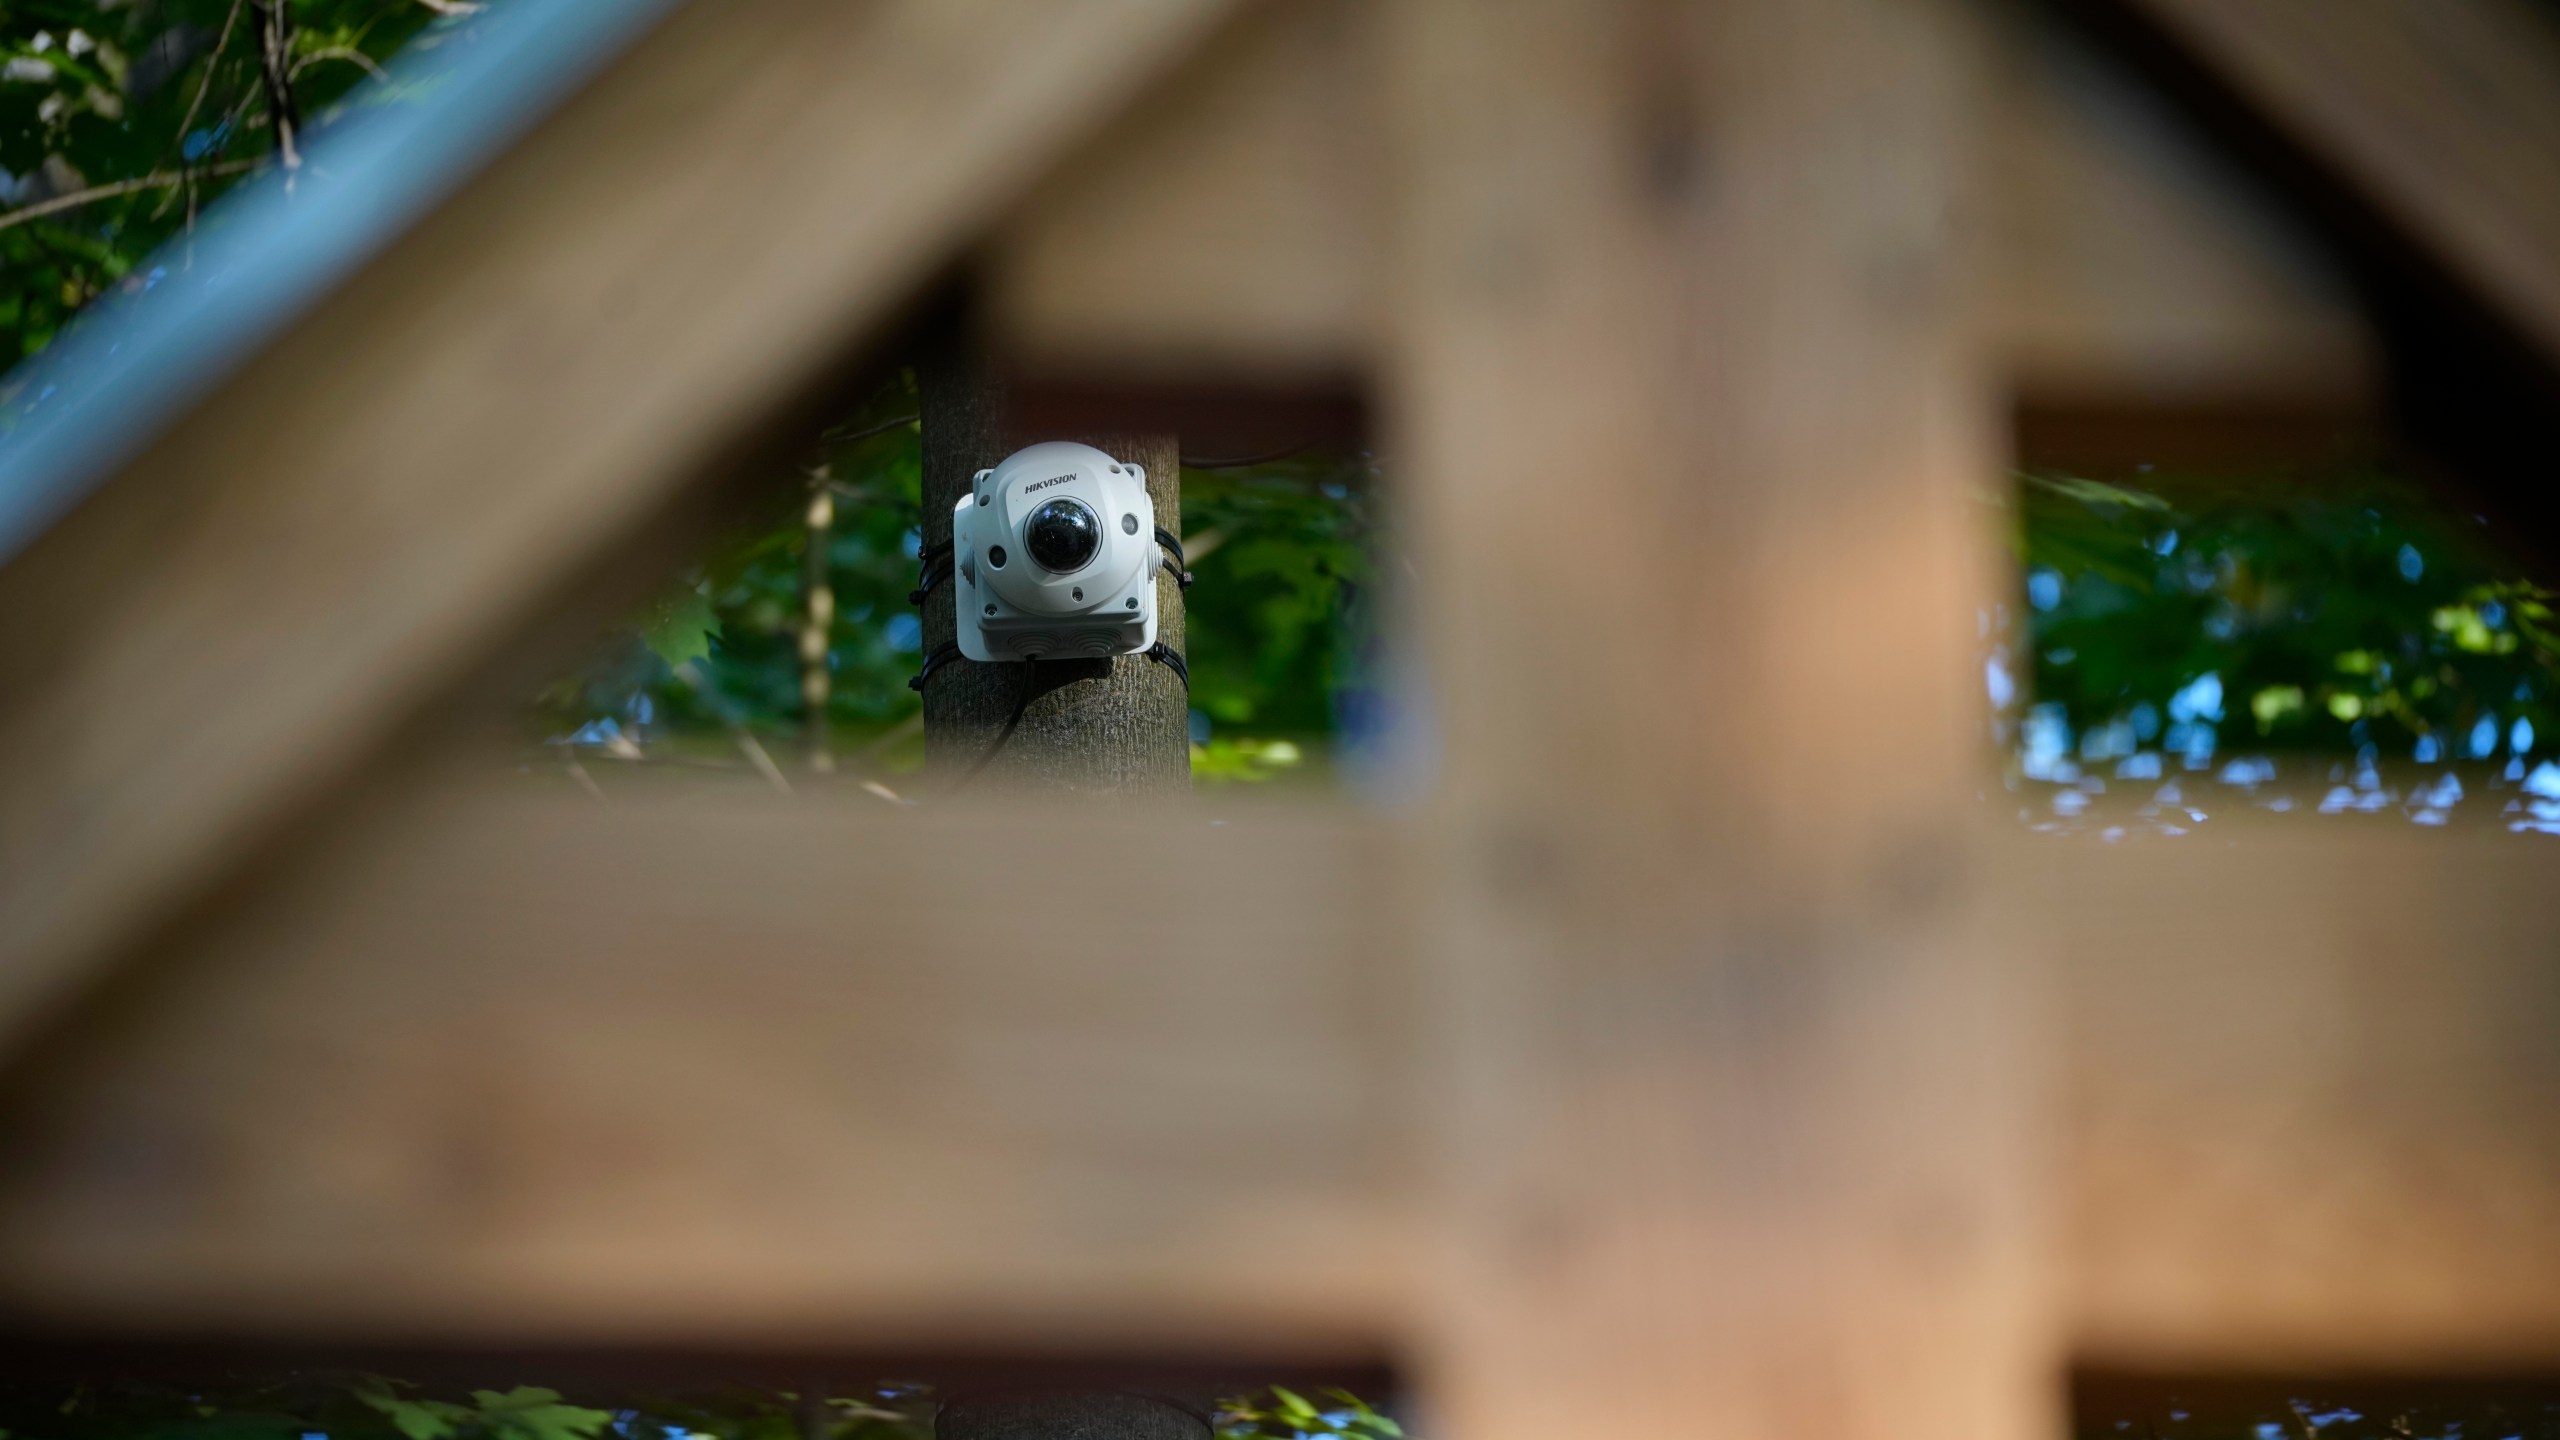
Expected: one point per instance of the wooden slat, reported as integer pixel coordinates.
(2313, 1099)
(494, 1062)
(2443, 116)
(1224, 229)
(2136, 267)
(498, 398)
(1682, 388)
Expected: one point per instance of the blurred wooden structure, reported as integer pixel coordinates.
(1697, 1059)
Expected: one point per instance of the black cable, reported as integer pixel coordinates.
(1030, 692)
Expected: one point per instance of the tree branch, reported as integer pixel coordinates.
(275, 49)
(843, 437)
(347, 53)
(204, 86)
(153, 181)
(212, 62)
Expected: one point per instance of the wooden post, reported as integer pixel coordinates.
(1728, 1131)
(1118, 727)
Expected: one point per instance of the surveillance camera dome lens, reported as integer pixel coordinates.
(1063, 535)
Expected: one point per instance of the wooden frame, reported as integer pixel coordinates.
(1694, 1060)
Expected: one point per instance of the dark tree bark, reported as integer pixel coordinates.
(1104, 728)
(1104, 1415)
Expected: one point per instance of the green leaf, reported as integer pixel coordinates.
(679, 627)
(416, 1419)
(529, 1412)
(1250, 762)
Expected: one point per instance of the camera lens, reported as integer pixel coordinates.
(1063, 535)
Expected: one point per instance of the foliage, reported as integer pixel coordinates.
(1283, 1414)
(96, 94)
(340, 1406)
(2380, 1411)
(345, 1406)
(2338, 611)
(288, 1408)
(526, 1412)
(719, 650)
(1282, 556)
(1247, 761)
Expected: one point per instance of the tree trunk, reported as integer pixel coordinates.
(1104, 1415)
(1116, 728)
(1105, 728)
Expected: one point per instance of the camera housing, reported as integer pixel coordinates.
(1054, 557)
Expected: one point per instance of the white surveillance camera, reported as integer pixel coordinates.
(1054, 557)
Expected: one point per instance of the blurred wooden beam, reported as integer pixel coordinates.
(1725, 1067)
(683, 253)
(485, 1061)
(2137, 267)
(1688, 417)
(2442, 117)
(2312, 1097)
(490, 1062)
(1223, 231)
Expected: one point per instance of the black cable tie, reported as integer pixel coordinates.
(1173, 545)
(1171, 659)
(943, 654)
(936, 568)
